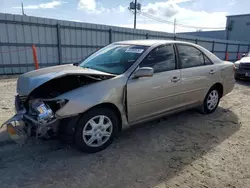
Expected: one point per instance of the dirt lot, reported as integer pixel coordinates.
(184, 150)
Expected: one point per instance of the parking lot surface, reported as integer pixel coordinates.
(188, 149)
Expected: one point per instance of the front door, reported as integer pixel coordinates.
(149, 96)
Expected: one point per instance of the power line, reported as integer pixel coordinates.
(197, 27)
(173, 23)
(178, 24)
(156, 18)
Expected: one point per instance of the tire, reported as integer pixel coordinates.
(236, 77)
(211, 101)
(96, 130)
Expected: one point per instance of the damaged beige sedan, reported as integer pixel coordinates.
(122, 84)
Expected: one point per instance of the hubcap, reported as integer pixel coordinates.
(97, 131)
(212, 99)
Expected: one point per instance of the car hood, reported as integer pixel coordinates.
(27, 82)
(245, 60)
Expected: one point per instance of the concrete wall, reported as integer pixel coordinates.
(61, 42)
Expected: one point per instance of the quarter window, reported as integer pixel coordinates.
(207, 61)
(190, 56)
(160, 59)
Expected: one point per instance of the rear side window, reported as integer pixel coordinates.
(190, 56)
(161, 59)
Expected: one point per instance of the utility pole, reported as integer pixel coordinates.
(135, 6)
(174, 25)
(23, 9)
(135, 14)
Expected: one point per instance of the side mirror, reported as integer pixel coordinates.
(144, 72)
(243, 55)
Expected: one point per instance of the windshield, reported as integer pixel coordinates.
(114, 59)
(248, 54)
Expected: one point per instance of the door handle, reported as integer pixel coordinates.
(212, 72)
(175, 79)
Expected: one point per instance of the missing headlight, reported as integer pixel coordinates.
(61, 103)
(56, 105)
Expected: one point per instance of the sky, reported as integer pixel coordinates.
(190, 15)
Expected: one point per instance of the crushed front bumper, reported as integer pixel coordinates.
(16, 128)
(21, 126)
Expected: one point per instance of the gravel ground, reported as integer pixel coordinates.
(183, 150)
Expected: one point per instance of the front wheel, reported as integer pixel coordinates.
(96, 130)
(211, 101)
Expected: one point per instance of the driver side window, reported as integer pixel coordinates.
(160, 59)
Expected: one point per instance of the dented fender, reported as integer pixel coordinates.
(84, 98)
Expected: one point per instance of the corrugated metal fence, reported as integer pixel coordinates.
(61, 42)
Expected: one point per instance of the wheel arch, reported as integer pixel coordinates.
(111, 106)
(219, 86)
(68, 125)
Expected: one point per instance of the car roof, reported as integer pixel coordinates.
(147, 42)
(155, 43)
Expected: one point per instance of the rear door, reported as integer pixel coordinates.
(198, 74)
(150, 96)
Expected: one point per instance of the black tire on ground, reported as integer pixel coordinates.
(66, 130)
(236, 77)
(79, 141)
(205, 107)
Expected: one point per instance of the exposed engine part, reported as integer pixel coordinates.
(55, 105)
(40, 116)
(19, 104)
(42, 129)
(35, 122)
(41, 111)
(61, 85)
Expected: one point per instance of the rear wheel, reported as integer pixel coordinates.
(211, 100)
(96, 130)
(236, 77)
